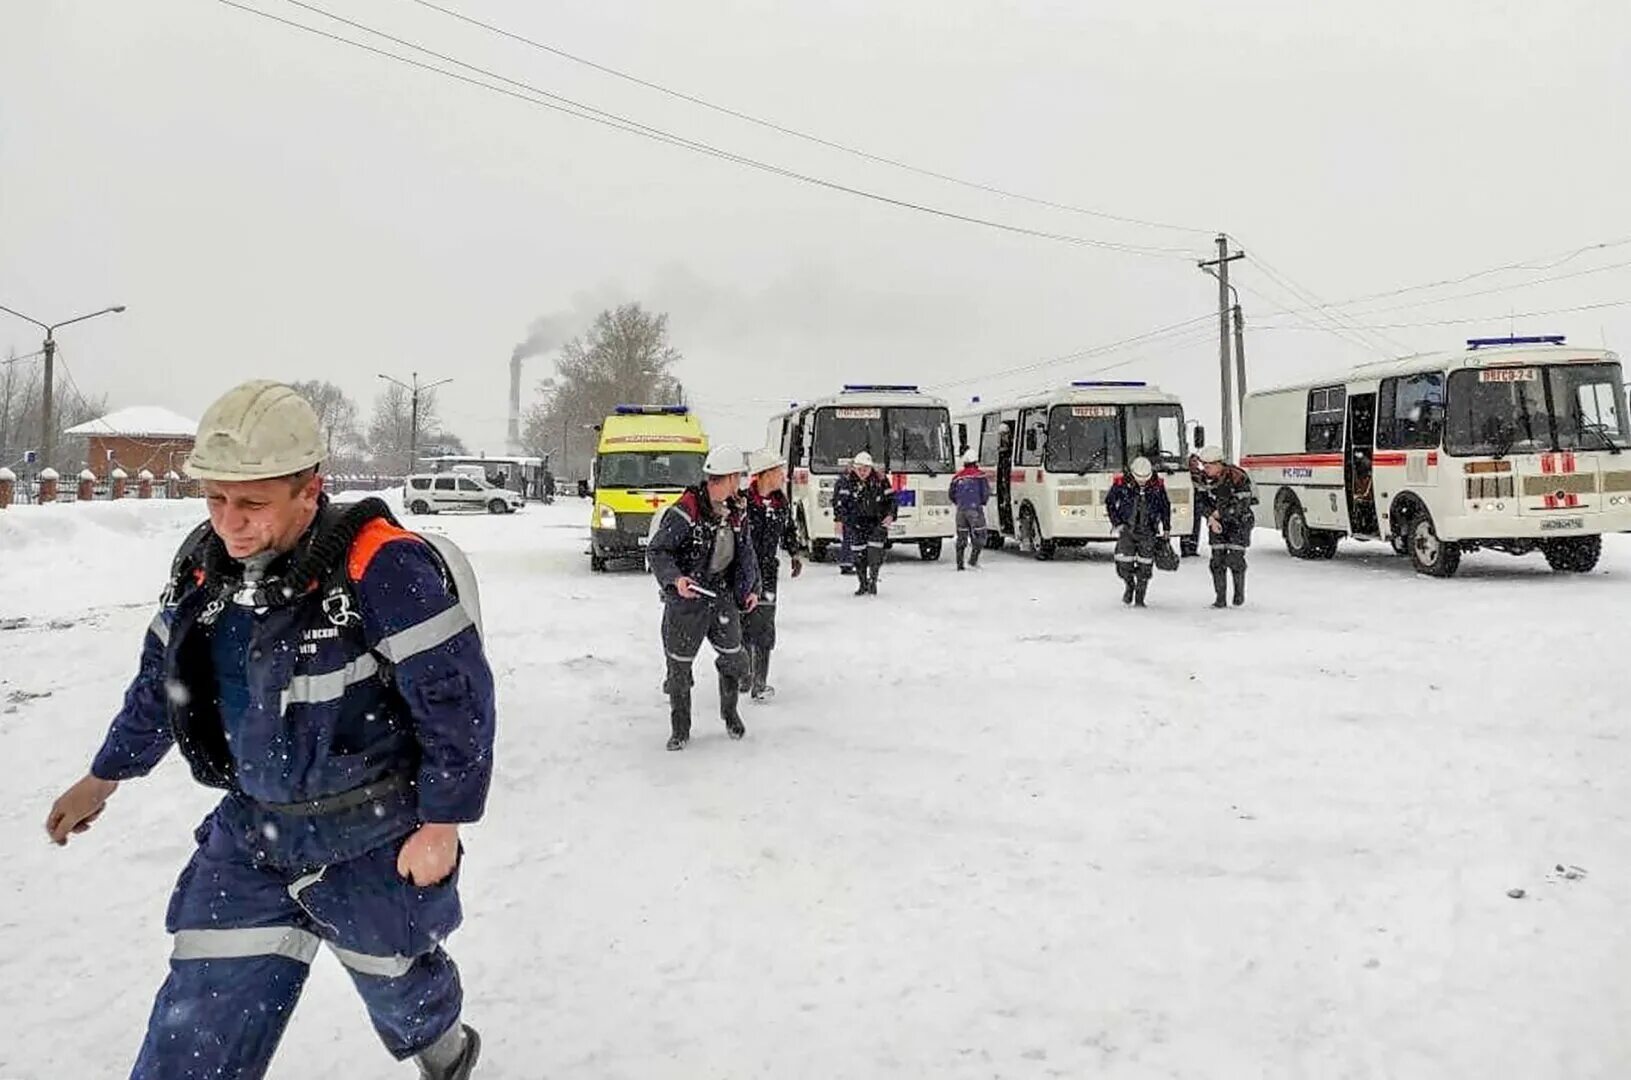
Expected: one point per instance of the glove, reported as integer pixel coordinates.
(798, 566)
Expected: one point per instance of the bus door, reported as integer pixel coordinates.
(1361, 453)
(1005, 471)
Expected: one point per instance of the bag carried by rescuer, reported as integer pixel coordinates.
(1165, 557)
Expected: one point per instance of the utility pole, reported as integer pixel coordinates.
(1240, 360)
(1225, 395)
(48, 431)
(413, 431)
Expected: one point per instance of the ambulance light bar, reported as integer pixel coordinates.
(652, 410)
(1486, 342)
(877, 388)
(1112, 382)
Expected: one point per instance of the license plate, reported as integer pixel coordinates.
(897, 530)
(1551, 524)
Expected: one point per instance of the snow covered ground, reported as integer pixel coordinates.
(994, 826)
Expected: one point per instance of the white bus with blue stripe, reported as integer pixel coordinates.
(907, 432)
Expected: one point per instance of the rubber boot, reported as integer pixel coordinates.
(974, 554)
(729, 691)
(1240, 586)
(1139, 591)
(862, 574)
(679, 714)
(762, 690)
(874, 569)
(960, 557)
(753, 666)
(1127, 593)
(464, 1050)
(1220, 585)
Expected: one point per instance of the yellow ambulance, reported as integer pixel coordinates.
(648, 455)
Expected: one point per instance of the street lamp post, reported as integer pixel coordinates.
(48, 435)
(413, 432)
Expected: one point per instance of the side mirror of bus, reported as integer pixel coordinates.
(1200, 436)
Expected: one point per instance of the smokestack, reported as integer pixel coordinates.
(515, 403)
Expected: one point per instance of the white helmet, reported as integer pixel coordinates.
(723, 460)
(258, 431)
(1141, 469)
(1209, 455)
(971, 456)
(763, 461)
(863, 460)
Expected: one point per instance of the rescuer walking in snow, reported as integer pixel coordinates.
(863, 502)
(1225, 499)
(703, 557)
(1141, 514)
(325, 668)
(969, 492)
(774, 531)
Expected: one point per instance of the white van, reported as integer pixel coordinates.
(1516, 444)
(431, 493)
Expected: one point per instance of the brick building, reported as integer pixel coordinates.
(142, 437)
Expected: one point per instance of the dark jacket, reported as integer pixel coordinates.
(383, 680)
(683, 546)
(863, 503)
(1151, 518)
(969, 489)
(1230, 496)
(774, 530)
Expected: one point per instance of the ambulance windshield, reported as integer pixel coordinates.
(670, 470)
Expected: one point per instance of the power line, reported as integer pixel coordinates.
(1523, 264)
(1498, 289)
(578, 110)
(1462, 322)
(1323, 309)
(1096, 350)
(783, 129)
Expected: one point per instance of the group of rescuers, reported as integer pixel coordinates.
(716, 554)
(324, 668)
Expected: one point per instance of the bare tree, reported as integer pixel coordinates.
(21, 395)
(339, 418)
(625, 357)
(390, 431)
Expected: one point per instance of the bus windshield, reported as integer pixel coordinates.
(645, 469)
(900, 439)
(1504, 410)
(1084, 439)
(1156, 432)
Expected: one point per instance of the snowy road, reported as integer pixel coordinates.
(994, 826)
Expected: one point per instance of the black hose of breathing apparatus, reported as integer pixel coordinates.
(324, 547)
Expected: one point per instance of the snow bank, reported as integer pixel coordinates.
(66, 558)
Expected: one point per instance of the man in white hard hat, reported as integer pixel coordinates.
(1225, 499)
(864, 503)
(774, 531)
(325, 669)
(702, 555)
(1141, 514)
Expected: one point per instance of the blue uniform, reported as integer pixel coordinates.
(336, 723)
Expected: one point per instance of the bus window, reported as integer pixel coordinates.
(1327, 408)
(840, 434)
(1155, 432)
(919, 440)
(1033, 423)
(1586, 399)
(1084, 439)
(1410, 412)
(990, 439)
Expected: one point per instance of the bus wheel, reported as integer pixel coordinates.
(1030, 537)
(1573, 554)
(1303, 542)
(596, 563)
(818, 551)
(993, 539)
(929, 550)
(1428, 554)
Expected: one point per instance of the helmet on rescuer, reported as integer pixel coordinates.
(971, 456)
(863, 460)
(763, 461)
(260, 430)
(723, 461)
(1141, 469)
(1209, 455)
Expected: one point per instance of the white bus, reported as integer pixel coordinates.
(1052, 457)
(1516, 444)
(908, 433)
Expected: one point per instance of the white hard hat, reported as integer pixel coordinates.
(763, 461)
(971, 456)
(723, 461)
(1141, 469)
(258, 431)
(863, 460)
(1210, 455)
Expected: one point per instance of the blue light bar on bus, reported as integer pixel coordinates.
(1486, 342)
(1112, 382)
(652, 410)
(877, 388)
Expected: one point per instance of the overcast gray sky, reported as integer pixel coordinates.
(271, 204)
